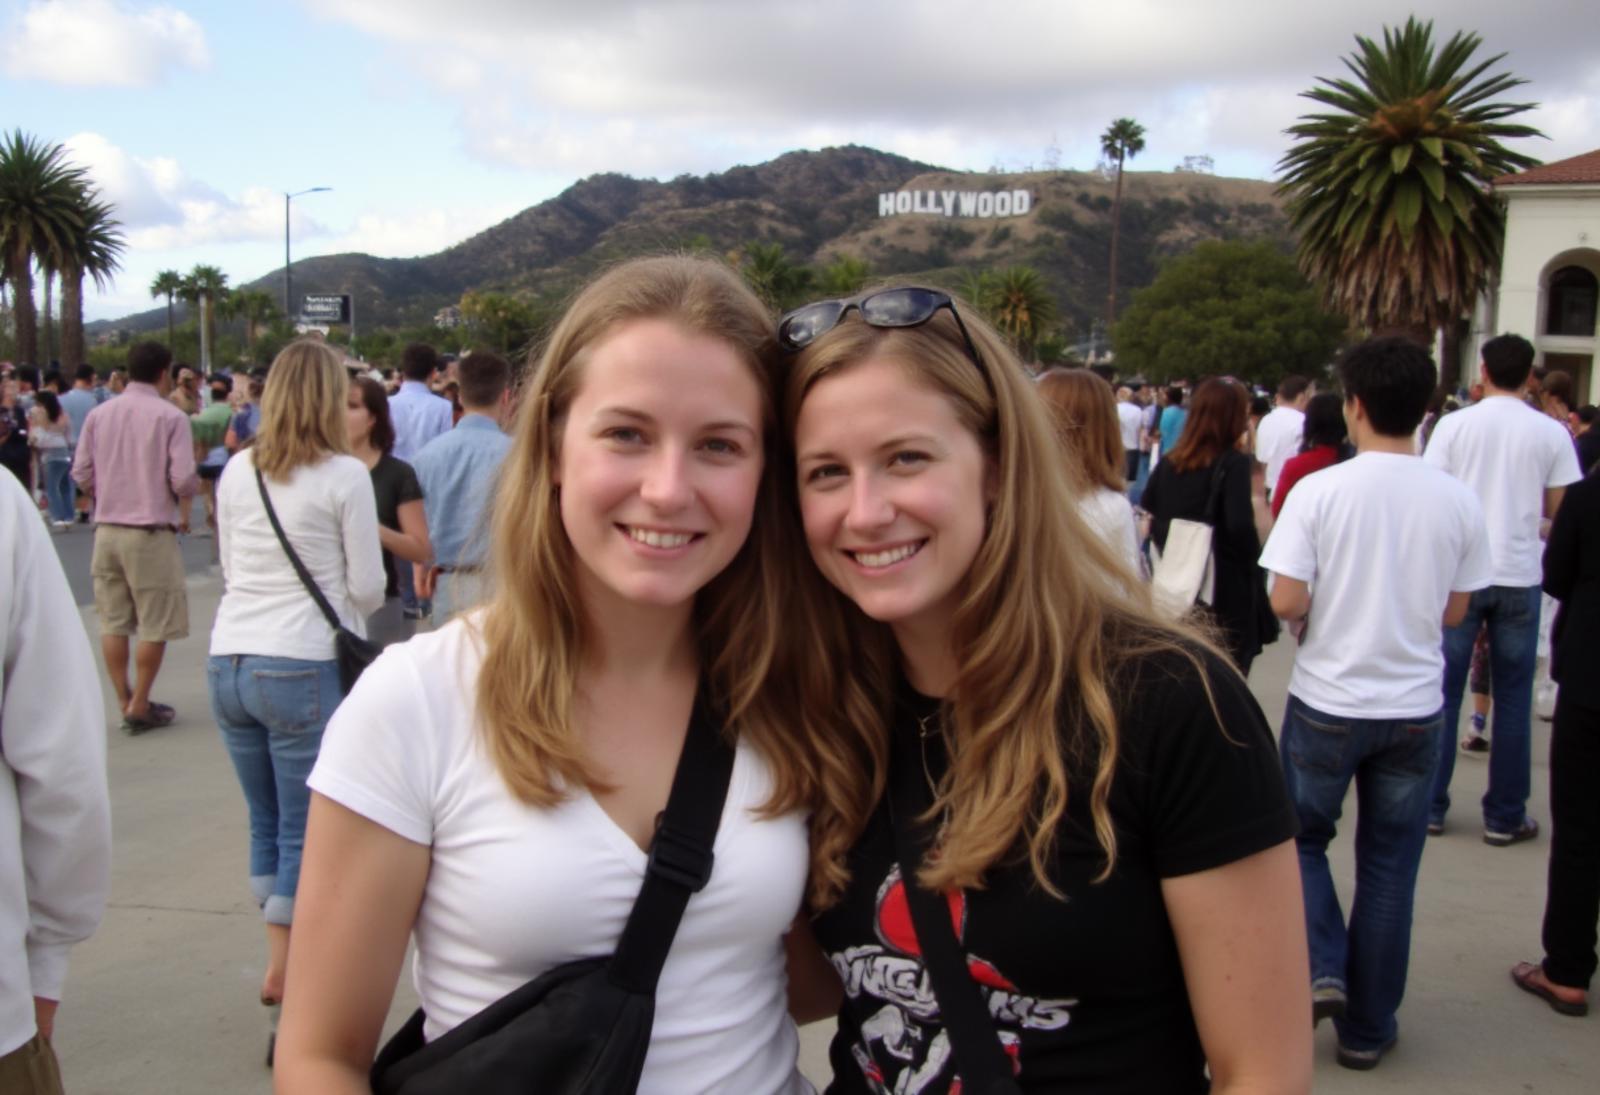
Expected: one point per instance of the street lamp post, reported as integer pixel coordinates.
(287, 284)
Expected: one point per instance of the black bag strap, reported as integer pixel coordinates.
(680, 856)
(299, 568)
(1214, 492)
(983, 1063)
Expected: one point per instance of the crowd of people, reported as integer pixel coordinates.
(909, 584)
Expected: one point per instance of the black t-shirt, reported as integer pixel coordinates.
(393, 483)
(1087, 994)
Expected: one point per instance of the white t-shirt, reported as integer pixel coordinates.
(1130, 418)
(1508, 453)
(329, 515)
(1383, 540)
(1110, 515)
(1278, 438)
(514, 890)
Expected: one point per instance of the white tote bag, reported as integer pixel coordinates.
(1185, 573)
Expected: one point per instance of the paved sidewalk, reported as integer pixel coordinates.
(163, 999)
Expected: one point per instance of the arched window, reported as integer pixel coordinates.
(1574, 293)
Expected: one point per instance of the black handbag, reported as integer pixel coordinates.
(351, 651)
(980, 1059)
(582, 1028)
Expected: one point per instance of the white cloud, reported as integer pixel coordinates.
(405, 235)
(646, 86)
(101, 43)
(161, 207)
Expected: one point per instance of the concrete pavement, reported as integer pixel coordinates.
(163, 998)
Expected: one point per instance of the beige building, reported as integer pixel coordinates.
(1550, 270)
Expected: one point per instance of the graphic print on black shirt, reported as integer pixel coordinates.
(894, 1052)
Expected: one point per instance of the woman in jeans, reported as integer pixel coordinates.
(49, 430)
(272, 674)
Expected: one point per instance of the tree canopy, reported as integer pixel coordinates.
(1388, 189)
(1227, 307)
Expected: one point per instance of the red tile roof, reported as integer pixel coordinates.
(1578, 170)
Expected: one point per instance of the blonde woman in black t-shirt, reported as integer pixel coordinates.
(1114, 839)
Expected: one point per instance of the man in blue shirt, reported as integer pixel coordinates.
(78, 402)
(458, 472)
(418, 417)
(1172, 419)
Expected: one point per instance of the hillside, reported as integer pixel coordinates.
(819, 205)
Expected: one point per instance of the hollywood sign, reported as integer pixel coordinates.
(956, 203)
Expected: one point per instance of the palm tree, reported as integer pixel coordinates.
(1389, 191)
(168, 283)
(1017, 301)
(38, 219)
(97, 253)
(253, 306)
(1122, 141)
(844, 276)
(775, 279)
(205, 285)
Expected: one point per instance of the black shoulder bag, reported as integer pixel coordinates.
(983, 1064)
(583, 1027)
(352, 652)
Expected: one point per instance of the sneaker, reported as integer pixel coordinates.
(411, 613)
(1436, 828)
(1362, 1060)
(1327, 1002)
(1526, 831)
(1475, 745)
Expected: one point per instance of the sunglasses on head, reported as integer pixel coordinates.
(906, 306)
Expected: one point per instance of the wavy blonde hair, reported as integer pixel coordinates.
(1085, 413)
(302, 409)
(533, 627)
(1048, 620)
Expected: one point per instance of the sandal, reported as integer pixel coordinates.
(1524, 974)
(157, 715)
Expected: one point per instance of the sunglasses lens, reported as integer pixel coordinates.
(801, 329)
(901, 307)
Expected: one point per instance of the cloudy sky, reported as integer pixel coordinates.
(431, 120)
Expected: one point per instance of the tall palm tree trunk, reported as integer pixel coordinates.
(50, 347)
(22, 305)
(1116, 230)
(72, 348)
(169, 321)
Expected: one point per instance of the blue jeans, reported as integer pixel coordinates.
(1136, 488)
(1392, 762)
(1511, 614)
(58, 486)
(271, 712)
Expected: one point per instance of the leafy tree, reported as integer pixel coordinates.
(39, 220)
(503, 322)
(776, 280)
(169, 284)
(1388, 190)
(95, 253)
(844, 276)
(1227, 307)
(1122, 140)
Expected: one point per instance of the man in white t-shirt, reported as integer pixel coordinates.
(1278, 435)
(1518, 462)
(1372, 557)
(1130, 420)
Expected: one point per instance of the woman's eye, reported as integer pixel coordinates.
(722, 446)
(823, 472)
(908, 458)
(625, 435)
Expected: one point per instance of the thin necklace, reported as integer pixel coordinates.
(924, 732)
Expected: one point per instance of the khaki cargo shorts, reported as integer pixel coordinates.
(139, 585)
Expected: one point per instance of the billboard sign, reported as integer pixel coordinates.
(325, 308)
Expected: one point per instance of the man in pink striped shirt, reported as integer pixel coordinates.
(135, 457)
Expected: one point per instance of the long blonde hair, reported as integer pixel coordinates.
(302, 409)
(1085, 414)
(533, 628)
(1048, 618)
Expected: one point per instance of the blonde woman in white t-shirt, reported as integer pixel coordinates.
(1086, 419)
(491, 789)
(272, 675)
